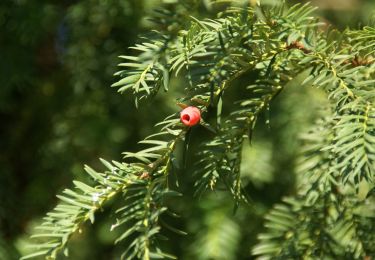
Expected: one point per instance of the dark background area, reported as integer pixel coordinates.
(58, 112)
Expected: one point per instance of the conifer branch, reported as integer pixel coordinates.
(326, 218)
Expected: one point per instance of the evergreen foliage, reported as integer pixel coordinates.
(332, 213)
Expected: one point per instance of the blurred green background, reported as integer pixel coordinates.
(58, 112)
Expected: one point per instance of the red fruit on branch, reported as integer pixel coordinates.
(190, 116)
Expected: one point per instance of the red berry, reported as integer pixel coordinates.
(190, 116)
